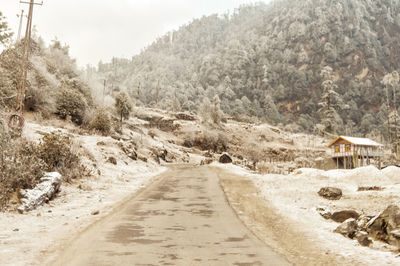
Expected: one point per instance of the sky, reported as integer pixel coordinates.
(101, 29)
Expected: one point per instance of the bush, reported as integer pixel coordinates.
(71, 103)
(38, 100)
(20, 166)
(101, 122)
(208, 140)
(55, 150)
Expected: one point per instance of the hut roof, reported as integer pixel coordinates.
(356, 141)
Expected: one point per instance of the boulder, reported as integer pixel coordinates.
(348, 228)
(112, 160)
(386, 226)
(225, 158)
(48, 187)
(363, 239)
(330, 193)
(341, 216)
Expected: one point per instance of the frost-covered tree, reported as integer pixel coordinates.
(391, 83)
(211, 111)
(123, 106)
(246, 55)
(270, 109)
(5, 33)
(330, 101)
(215, 111)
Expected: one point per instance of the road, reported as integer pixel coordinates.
(183, 218)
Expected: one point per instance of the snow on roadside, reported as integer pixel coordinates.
(30, 238)
(295, 197)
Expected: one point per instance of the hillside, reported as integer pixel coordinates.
(265, 60)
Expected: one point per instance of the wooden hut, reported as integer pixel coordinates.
(350, 152)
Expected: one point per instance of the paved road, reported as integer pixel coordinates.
(181, 219)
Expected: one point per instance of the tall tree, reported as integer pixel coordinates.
(123, 106)
(330, 101)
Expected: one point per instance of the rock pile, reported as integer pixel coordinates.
(384, 227)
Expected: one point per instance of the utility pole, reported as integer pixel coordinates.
(25, 57)
(21, 18)
(157, 90)
(104, 90)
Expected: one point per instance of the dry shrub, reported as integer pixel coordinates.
(208, 140)
(101, 122)
(264, 168)
(20, 166)
(56, 151)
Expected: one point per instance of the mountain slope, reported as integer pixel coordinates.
(268, 58)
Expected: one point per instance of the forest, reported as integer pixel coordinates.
(268, 61)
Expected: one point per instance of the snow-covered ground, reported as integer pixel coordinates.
(295, 198)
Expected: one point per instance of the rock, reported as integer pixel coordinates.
(324, 213)
(362, 222)
(330, 193)
(96, 212)
(342, 216)
(43, 192)
(142, 158)
(185, 116)
(129, 149)
(362, 238)
(85, 187)
(208, 161)
(164, 124)
(374, 188)
(112, 160)
(114, 136)
(160, 154)
(16, 230)
(101, 143)
(225, 158)
(386, 226)
(348, 228)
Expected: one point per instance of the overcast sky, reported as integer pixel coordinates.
(100, 29)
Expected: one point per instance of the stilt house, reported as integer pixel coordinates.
(350, 152)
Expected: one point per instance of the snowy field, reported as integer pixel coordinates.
(296, 199)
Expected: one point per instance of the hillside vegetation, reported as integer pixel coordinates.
(265, 60)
